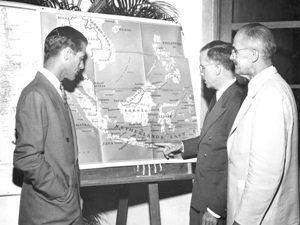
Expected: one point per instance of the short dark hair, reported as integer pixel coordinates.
(259, 32)
(62, 37)
(220, 52)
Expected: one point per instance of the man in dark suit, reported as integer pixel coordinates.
(46, 146)
(208, 205)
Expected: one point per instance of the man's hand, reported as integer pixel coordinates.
(170, 149)
(209, 219)
(235, 223)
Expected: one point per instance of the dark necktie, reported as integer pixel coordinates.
(63, 94)
(212, 103)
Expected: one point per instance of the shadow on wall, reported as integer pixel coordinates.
(98, 200)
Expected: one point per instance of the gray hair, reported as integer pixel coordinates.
(260, 34)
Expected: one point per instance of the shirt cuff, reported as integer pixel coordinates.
(182, 148)
(214, 214)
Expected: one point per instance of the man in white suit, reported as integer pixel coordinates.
(263, 142)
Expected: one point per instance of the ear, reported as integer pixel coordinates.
(255, 55)
(218, 69)
(66, 53)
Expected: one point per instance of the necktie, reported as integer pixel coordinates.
(212, 103)
(63, 94)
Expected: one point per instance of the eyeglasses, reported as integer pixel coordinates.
(202, 67)
(235, 51)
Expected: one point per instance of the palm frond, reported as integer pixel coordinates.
(61, 4)
(136, 8)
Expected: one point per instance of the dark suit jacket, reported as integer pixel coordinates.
(46, 151)
(210, 183)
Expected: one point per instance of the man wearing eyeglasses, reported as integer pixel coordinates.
(208, 205)
(262, 144)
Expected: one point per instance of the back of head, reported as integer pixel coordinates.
(260, 37)
(62, 37)
(220, 51)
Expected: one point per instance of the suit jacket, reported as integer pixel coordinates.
(210, 184)
(263, 155)
(46, 153)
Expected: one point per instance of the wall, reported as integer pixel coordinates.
(175, 196)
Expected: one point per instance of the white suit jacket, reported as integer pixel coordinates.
(263, 155)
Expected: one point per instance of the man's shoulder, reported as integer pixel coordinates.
(236, 91)
(38, 86)
(39, 81)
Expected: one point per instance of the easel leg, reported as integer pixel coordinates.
(123, 206)
(154, 204)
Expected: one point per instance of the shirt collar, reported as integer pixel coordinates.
(52, 78)
(260, 78)
(220, 92)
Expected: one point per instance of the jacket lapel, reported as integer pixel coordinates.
(212, 117)
(270, 73)
(56, 100)
(219, 108)
(65, 114)
(244, 108)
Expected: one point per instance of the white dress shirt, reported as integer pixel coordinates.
(52, 79)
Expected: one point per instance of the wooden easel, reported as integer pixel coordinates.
(151, 174)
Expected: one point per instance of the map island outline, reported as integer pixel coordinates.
(136, 90)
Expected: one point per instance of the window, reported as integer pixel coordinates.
(281, 16)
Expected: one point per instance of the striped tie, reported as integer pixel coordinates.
(63, 94)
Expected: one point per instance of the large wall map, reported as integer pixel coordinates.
(135, 92)
(19, 60)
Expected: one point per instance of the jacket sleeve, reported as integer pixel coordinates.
(190, 147)
(29, 155)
